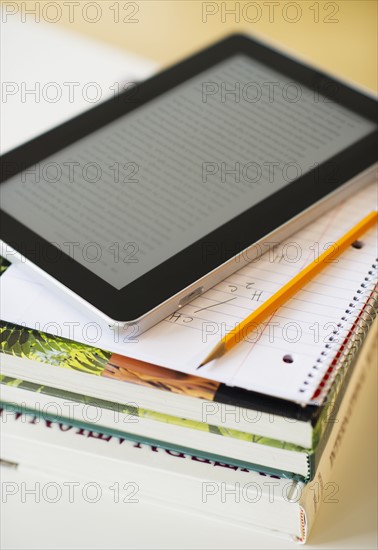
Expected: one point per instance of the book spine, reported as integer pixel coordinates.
(355, 348)
(335, 384)
(322, 468)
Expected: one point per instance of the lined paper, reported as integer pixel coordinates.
(278, 358)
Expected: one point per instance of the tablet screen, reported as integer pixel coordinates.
(129, 196)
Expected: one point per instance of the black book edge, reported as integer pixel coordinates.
(248, 399)
(281, 407)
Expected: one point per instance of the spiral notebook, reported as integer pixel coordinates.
(293, 354)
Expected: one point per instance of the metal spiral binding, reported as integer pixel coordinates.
(361, 318)
(352, 347)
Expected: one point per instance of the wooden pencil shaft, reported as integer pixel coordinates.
(296, 284)
(290, 288)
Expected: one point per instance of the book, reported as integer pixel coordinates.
(159, 475)
(253, 444)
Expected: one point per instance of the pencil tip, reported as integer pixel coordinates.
(218, 351)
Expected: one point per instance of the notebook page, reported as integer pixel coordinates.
(300, 329)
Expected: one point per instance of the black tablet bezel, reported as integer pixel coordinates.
(189, 265)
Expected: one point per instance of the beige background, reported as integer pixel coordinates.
(339, 36)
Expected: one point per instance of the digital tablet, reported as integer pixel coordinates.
(144, 202)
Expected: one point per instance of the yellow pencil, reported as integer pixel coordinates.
(288, 290)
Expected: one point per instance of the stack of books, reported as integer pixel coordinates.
(262, 425)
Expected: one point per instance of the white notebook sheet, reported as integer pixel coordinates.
(290, 353)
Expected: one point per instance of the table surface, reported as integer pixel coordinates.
(339, 37)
